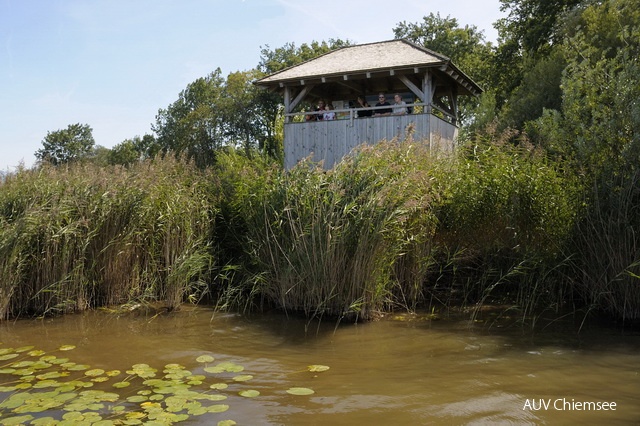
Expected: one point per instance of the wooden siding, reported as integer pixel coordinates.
(332, 140)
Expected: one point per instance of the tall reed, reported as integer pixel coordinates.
(348, 242)
(607, 248)
(507, 214)
(83, 236)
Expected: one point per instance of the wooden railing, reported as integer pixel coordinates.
(351, 113)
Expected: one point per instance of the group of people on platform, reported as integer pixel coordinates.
(325, 111)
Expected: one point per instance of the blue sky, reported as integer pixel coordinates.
(112, 64)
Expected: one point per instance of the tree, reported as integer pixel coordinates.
(194, 124)
(66, 145)
(539, 90)
(529, 33)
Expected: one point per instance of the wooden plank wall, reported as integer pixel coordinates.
(332, 140)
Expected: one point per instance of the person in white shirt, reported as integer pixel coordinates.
(400, 107)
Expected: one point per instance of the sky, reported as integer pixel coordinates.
(112, 64)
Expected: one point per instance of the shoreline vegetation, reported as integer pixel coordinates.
(391, 227)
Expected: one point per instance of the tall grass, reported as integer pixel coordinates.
(77, 237)
(392, 226)
(331, 242)
(607, 249)
(395, 225)
(508, 214)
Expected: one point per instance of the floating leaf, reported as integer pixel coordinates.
(47, 358)
(95, 372)
(78, 367)
(205, 358)
(112, 373)
(8, 356)
(18, 420)
(218, 408)
(52, 375)
(300, 391)
(24, 348)
(36, 352)
(100, 379)
(317, 368)
(249, 393)
(219, 386)
(242, 378)
(214, 397)
(120, 385)
(45, 421)
(226, 423)
(229, 367)
(66, 347)
(22, 364)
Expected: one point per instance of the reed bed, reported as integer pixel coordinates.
(397, 226)
(77, 237)
(606, 266)
(392, 226)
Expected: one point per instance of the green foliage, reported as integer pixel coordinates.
(66, 145)
(59, 391)
(88, 236)
(531, 30)
(192, 125)
(540, 89)
(124, 153)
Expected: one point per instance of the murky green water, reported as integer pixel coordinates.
(389, 372)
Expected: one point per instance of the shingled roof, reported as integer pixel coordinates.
(367, 61)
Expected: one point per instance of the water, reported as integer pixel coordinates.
(402, 370)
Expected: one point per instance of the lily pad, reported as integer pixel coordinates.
(205, 359)
(223, 367)
(226, 423)
(249, 393)
(17, 420)
(219, 386)
(8, 356)
(66, 347)
(300, 391)
(94, 373)
(242, 378)
(317, 368)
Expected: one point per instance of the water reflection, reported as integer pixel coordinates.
(406, 370)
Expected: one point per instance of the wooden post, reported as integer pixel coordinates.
(287, 103)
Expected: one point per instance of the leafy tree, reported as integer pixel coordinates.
(65, 145)
(124, 153)
(194, 124)
(528, 33)
(540, 90)
(601, 92)
(250, 114)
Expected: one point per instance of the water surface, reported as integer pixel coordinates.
(402, 370)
